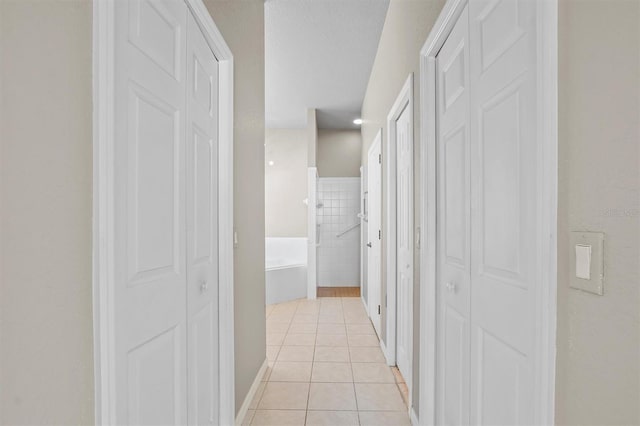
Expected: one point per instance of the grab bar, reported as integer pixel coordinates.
(354, 226)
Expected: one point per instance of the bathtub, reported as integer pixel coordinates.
(286, 269)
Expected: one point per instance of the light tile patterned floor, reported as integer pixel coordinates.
(325, 368)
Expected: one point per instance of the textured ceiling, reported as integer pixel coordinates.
(319, 54)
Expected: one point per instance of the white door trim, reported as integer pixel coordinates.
(103, 214)
(312, 232)
(404, 100)
(547, 33)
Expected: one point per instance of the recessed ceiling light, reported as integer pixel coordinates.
(357, 121)
(271, 163)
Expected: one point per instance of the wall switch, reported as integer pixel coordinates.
(587, 260)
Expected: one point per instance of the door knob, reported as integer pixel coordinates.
(369, 245)
(204, 286)
(451, 287)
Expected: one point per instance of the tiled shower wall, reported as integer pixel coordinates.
(338, 257)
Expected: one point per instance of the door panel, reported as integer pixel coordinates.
(453, 228)
(404, 242)
(149, 213)
(374, 273)
(504, 218)
(202, 228)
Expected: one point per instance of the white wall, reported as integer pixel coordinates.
(46, 357)
(598, 368)
(242, 25)
(339, 153)
(405, 30)
(286, 182)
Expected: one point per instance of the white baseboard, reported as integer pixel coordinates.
(414, 417)
(251, 394)
(386, 354)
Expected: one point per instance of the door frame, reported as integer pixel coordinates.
(546, 310)
(403, 101)
(104, 171)
(376, 144)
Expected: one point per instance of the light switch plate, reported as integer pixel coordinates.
(587, 262)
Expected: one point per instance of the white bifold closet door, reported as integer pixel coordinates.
(165, 292)
(489, 215)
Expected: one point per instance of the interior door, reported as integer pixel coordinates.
(149, 292)
(453, 228)
(404, 242)
(374, 245)
(202, 228)
(506, 213)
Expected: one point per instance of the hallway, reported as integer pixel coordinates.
(325, 368)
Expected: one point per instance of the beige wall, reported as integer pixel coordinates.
(339, 153)
(46, 358)
(242, 25)
(406, 28)
(598, 367)
(286, 182)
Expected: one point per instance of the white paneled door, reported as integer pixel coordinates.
(488, 216)
(202, 228)
(404, 241)
(165, 295)
(453, 223)
(374, 243)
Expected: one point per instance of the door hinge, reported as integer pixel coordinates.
(380, 158)
(378, 309)
(379, 234)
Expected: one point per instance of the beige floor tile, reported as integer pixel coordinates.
(272, 352)
(279, 418)
(331, 354)
(284, 396)
(353, 318)
(268, 371)
(384, 418)
(257, 396)
(332, 372)
(332, 396)
(289, 371)
(372, 372)
(304, 328)
(331, 329)
(330, 319)
(305, 318)
(275, 339)
(378, 397)
(277, 327)
(268, 310)
(278, 317)
(248, 417)
(331, 340)
(364, 340)
(300, 339)
(360, 329)
(366, 354)
(296, 353)
(332, 418)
